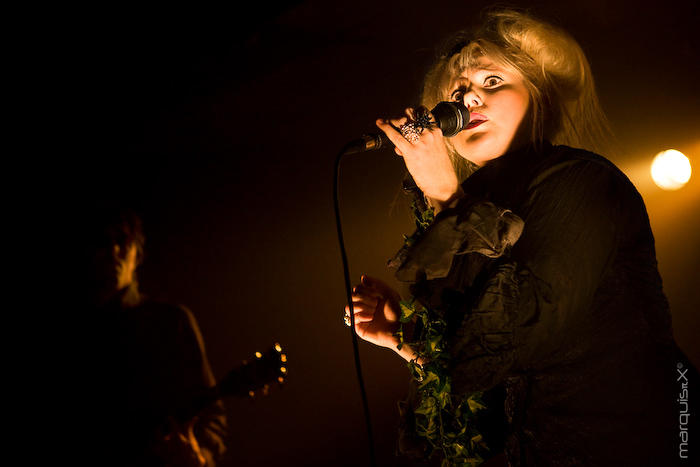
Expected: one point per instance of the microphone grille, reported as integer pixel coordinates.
(451, 117)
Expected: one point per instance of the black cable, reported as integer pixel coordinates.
(348, 290)
(451, 118)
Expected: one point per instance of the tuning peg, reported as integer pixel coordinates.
(283, 370)
(278, 347)
(280, 379)
(283, 358)
(258, 355)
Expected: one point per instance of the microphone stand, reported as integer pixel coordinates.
(451, 118)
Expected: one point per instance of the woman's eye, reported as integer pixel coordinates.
(458, 95)
(492, 81)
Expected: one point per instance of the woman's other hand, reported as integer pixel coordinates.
(377, 312)
(427, 159)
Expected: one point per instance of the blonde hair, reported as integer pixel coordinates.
(564, 106)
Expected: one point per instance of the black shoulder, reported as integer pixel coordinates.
(569, 153)
(592, 169)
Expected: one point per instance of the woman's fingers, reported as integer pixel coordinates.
(373, 301)
(394, 136)
(373, 287)
(364, 317)
(362, 290)
(362, 312)
(397, 122)
(365, 302)
(362, 306)
(378, 286)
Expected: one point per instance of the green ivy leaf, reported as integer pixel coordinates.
(435, 343)
(474, 405)
(407, 310)
(430, 378)
(444, 420)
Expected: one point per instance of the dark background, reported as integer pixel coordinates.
(220, 128)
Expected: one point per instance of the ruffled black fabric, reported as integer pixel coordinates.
(546, 273)
(484, 228)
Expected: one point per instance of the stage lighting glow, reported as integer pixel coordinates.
(670, 169)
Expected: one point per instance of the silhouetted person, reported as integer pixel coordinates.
(145, 363)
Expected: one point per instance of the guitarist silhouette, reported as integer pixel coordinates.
(147, 361)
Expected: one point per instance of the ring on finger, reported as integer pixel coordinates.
(411, 131)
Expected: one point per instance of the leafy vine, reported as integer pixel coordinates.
(445, 420)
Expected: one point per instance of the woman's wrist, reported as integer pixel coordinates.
(449, 202)
(408, 353)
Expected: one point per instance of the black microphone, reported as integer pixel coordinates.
(451, 118)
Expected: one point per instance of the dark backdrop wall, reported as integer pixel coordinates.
(220, 128)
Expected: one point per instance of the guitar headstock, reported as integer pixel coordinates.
(256, 373)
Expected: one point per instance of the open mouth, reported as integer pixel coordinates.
(474, 124)
(476, 120)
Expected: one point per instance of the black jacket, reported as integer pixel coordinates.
(547, 275)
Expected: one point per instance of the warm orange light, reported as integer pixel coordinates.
(258, 354)
(283, 357)
(278, 347)
(670, 169)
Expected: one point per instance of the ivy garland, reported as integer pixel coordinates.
(445, 420)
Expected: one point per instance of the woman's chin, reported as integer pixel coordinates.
(480, 148)
(482, 157)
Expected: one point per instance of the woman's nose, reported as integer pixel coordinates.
(472, 99)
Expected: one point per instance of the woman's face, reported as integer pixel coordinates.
(498, 102)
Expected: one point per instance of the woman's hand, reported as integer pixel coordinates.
(427, 160)
(377, 312)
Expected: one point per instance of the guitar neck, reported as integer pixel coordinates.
(244, 380)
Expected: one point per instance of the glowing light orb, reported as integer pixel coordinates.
(670, 169)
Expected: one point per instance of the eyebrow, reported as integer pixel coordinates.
(489, 67)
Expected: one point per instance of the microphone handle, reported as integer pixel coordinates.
(451, 118)
(368, 142)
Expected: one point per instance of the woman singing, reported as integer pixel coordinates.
(537, 332)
